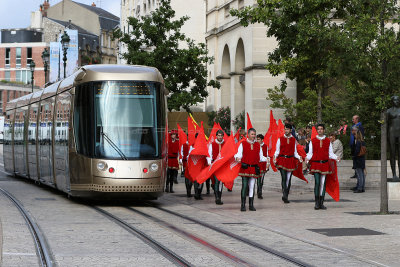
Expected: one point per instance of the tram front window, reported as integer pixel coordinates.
(125, 120)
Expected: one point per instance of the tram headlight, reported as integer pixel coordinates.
(154, 167)
(101, 166)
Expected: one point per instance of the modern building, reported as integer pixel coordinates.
(17, 49)
(240, 55)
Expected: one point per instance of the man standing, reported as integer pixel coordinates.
(264, 166)
(213, 151)
(356, 123)
(183, 160)
(320, 151)
(173, 165)
(250, 155)
(285, 159)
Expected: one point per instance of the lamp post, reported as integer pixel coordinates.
(65, 43)
(32, 68)
(45, 58)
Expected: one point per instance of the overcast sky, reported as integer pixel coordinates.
(17, 13)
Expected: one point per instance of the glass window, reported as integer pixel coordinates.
(7, 75)
(18, 57)
(124, 122)
(28, 55)
(8, 52)
(18, 75)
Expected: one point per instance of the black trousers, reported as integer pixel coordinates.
(171, 176)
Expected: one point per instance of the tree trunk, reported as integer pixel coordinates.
(319, 105)
(384, 192)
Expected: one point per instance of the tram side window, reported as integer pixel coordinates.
(83, 122)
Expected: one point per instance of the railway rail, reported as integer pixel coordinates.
(42, 247)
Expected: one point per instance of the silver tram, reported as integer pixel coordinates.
(100, 132)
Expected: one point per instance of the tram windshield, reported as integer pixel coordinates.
(125, 120)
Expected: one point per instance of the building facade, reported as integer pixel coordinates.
(18, 48)
(240, 55)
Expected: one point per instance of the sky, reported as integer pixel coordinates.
(13, 16)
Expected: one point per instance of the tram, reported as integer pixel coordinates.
(98, 133)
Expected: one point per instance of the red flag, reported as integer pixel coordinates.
(249, 125)
(281, 128)
(228, 172)
(197, 158)
(191, 131)
(298, 172)
(332, 181)
(237, 135)
(182, 136)
(227, 152)
(213, 134)
(313, 132)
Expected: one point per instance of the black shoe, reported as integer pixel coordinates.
(363, 190)
(189, 195)
(229, 190)
(358, 191)
(260, 196)
(354, 188)
(251, 204)
(321, 203)
(175, 181)
(208, 192)
(354, 176)
(167, 190)
(316, 207)
(171, 191)
(243, 206)
(219, 202)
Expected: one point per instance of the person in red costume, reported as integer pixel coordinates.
(285, 159)
(173, 165)
(214, 150)
(183, 154)
(264, 166)
(250, 155)
(320, 151)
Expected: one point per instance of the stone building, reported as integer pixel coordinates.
(240, 54)
(94, 25)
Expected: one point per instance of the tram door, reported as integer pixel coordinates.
(61, 159)
(8, 149)
(32, 141)
(45, 141)
(19, 142)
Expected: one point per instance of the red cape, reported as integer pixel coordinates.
(332, 181)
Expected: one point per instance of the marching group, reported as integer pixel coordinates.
(318, 158)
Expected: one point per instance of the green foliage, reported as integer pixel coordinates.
(155, 40)
(223, 117)
(239, 121)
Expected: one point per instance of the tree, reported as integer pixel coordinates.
(308, 39)
(221, 116)
(156, 40)
(373, 66)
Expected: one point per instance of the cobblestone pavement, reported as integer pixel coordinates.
(80, 236)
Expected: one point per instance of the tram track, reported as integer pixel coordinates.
(244, 240)
(164, 251)
(43, 250)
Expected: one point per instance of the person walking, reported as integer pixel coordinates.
(173, 165)
(264, 166)
(213, 150)
(250, 155)
(183, 155)
(358, 153)
(320, 151)
(285, 160)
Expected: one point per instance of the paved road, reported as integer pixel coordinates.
(80, 236)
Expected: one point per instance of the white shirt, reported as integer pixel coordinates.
(239, 154)
(278, 148)
(310, 151)
(209, 159)
(181, 153)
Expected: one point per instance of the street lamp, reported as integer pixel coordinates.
(45, 58)
(32, 68)
(65, 43)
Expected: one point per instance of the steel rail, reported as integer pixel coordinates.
(195, 238)
(164, 251)
(42, 247)
(237, 237)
